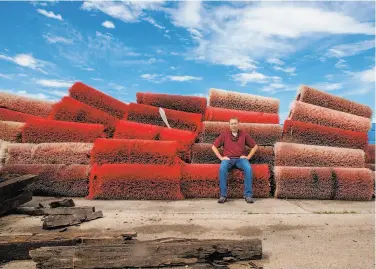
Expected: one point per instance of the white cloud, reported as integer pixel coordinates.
(156, 78)
(160, 51)
(275, 61)
(50, 14)
(341, 64)
(108, 24)
(325, 86)
(245, 78)
(174, 53)
(278, 87)
(130, 11)
(183, 78)
(89, 49)
(289, 70)
(353, 83)
(26, 60)
(329, 77)
(149, 76)
(239, 35)
(57, 39)
(153, 22)
(115, 86)
(346, 50)
(54, 83)
(188, 14)
(97, 79)
(6, 76)
(90, 69)
(367, 75)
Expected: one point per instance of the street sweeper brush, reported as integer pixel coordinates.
(319, 98)
(48, 131)
(315, 134)
(370, 153)
(328, 117)
(48, 153)
(135, 182)
(54, 179)
(203, 153)
(355, 184)
(92, 97)
(25, 105)
(193, 104)
(242, 101)
(176, 119)
(222, 114)
(202, 181)
(11, 131)
(370, 166)
(263, 134)
(10, 115)
(134, 130)
(324, 183)
(116, 151)
(291, 154)
(304, 182)
(69, 109)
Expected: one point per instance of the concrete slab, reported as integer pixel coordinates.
(293, 235)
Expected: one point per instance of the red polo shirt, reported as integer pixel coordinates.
(234, 149)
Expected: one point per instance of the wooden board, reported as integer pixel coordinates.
(19, 199)
(17, 247)
(34, 211)
(11, 187)
(59, 221)
(62, 203)
(150, 254)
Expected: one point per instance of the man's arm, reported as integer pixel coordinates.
(252, 144)
(252, 152)
(216, 152)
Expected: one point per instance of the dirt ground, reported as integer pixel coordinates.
(301, 234)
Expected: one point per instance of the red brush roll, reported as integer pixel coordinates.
(314, 134)
(69, 109)
(193, 104)
(111, 151)
(92, 97)
(54, 179)
(319, 98)
(135, 182)
(48, 131)
(202, 181)
(290, 154)
(222, 114)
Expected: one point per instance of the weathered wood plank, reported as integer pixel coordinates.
(59, 221)
(62, 203)
(148, 254)
(11, 187)
(19, 199)
(34, 211)
(17, 247)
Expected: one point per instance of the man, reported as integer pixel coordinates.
(234, 142)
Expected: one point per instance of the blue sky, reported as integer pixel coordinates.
(261, 48)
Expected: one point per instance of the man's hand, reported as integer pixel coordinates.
(225, 158)
(244, 157)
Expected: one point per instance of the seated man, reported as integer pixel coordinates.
(234, 142)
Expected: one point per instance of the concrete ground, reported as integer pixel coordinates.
(301, 234)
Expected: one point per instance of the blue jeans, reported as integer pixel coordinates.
(242, 164)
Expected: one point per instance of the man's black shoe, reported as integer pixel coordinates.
(249, 200)
(222, 199)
